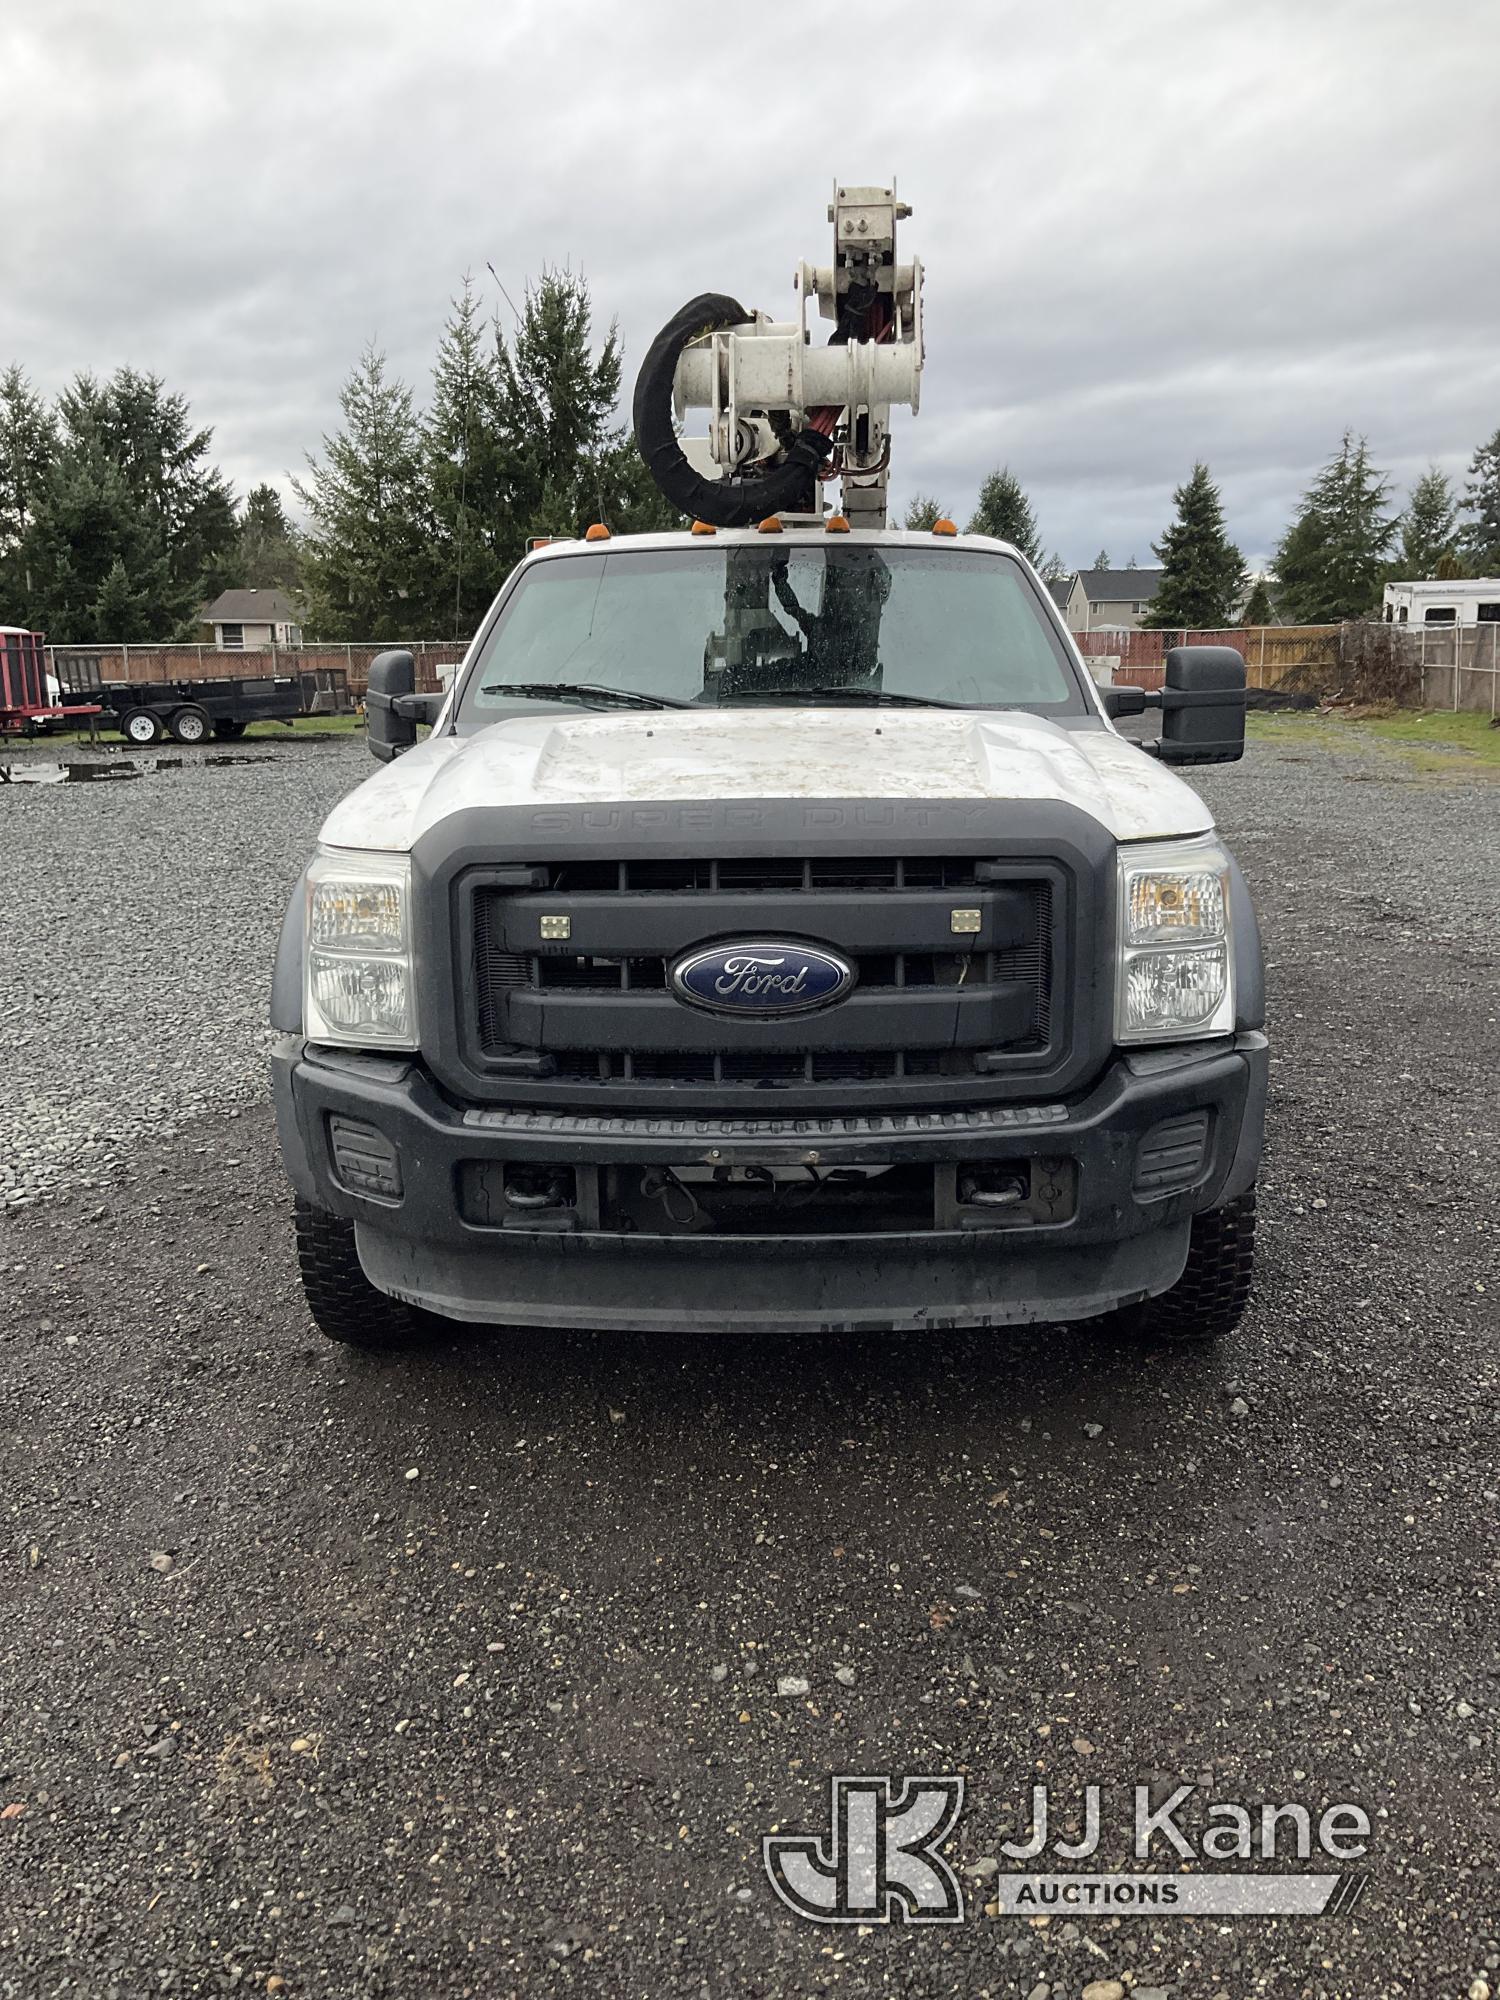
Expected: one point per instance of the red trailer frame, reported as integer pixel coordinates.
(24, 696)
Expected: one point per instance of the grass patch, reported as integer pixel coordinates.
(309, 725)
(1424, 739)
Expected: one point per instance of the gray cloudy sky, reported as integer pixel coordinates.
(1153, 232)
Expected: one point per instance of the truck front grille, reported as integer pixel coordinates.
(594, 1013)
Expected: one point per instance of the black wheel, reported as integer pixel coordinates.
(229, 731)
(341, 1299)
(141, 726)
(1207, 1300)
(190, 723)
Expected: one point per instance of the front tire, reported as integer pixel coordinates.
(344, 1304)
(1209, 1297)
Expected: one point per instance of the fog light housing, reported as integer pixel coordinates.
(364, 1159)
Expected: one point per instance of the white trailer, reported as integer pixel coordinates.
(1457, 600)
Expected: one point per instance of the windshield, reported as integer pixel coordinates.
(841, 621)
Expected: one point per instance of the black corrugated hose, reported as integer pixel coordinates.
(741, 499)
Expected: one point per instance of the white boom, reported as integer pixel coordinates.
(765, 386)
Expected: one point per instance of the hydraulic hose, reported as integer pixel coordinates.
(740, 499)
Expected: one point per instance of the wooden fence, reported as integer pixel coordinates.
(1459, 664)
(1272, 653)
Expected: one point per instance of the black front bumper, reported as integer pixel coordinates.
(1120, 1233)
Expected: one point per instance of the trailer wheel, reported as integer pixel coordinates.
(229, 730)
(343, 1302)
(190, 724)
(141, 726)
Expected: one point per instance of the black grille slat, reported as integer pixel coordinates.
(894, 970)
(759, 1069)
(736, 875)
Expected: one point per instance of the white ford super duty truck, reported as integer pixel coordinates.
(773, 928)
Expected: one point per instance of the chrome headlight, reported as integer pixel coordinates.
(358, 987)
(1174, 976)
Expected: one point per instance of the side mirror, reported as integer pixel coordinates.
(392, 707)
(1203, 706)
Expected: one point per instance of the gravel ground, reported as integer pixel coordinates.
(458, 1675)
(136, 942)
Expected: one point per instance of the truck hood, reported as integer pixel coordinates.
(786, 753)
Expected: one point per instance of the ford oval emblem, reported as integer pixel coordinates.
(761, 976)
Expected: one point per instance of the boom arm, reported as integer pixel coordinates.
(784, 416)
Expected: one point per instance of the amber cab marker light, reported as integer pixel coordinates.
(836, 524)
(944, 528)
(596, 532)
(771, 525)
(703, 528)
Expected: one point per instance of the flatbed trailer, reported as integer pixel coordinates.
(190, 711)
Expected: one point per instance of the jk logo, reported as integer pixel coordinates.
(880, 1862)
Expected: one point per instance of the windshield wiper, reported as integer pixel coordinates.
(590, 693)
(875, 697)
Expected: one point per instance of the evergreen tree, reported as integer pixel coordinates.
(181, 496)
(88, 526)
(556, 407)
(1332, 558)
(366, 550)
(1429, 527)
(1101, 561)
(922, 513)
(1482, 502)
(1055, 568)
(266, 555)
(1005, 512)
(468, 461)
(129, 480)
(1259, 610)
(1202, 571)
(123, 610)
(1448, 567)
(28, 448)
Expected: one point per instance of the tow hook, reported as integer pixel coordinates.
(991, 1190)
(531, 1191)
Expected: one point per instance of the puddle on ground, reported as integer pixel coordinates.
(33, 771)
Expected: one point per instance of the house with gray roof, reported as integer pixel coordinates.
(244, 620)
(1110, 600)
